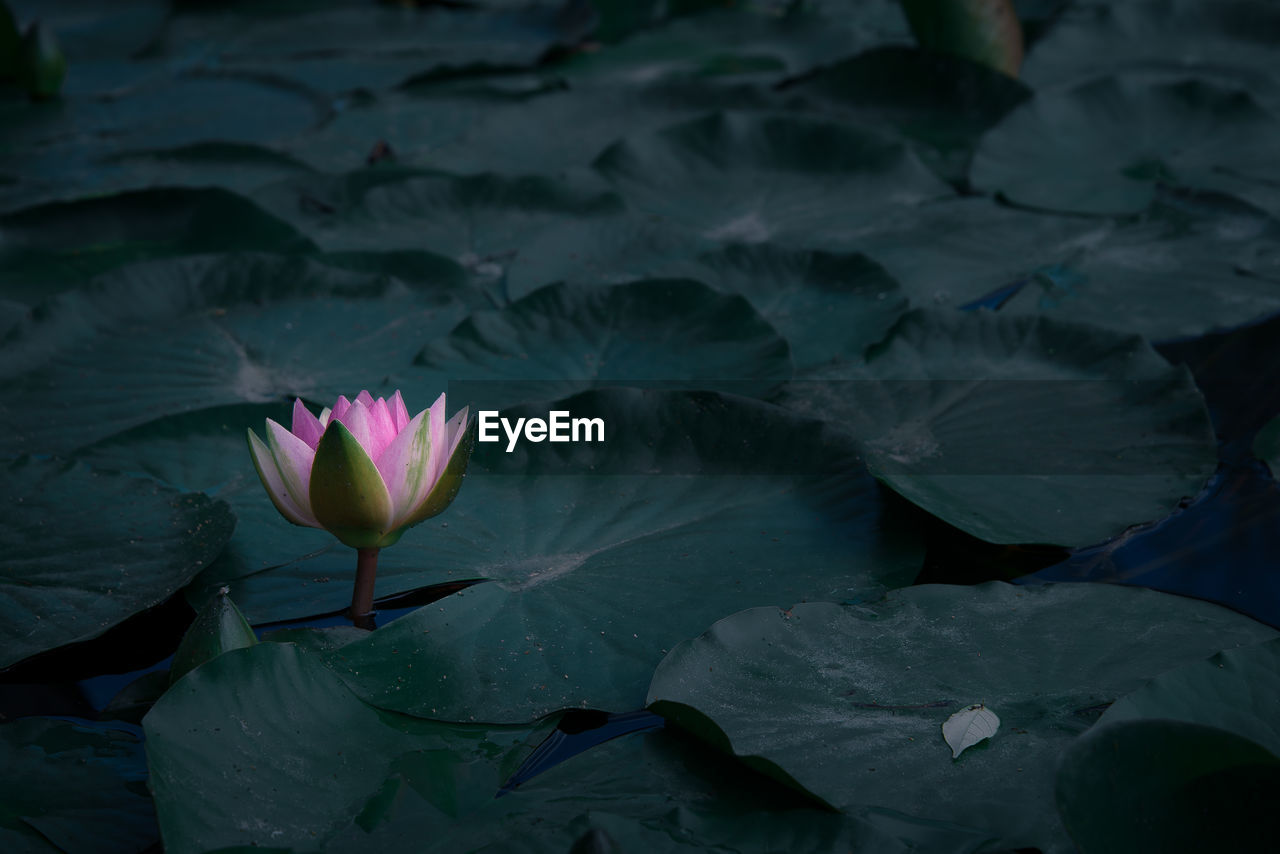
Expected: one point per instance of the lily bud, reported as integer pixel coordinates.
(364, 470)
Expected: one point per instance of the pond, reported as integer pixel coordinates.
(866, 447)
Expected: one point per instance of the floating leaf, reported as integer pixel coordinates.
(1237, 690)
(84, 550)
(75, 787)
(218, 628)
(1161, 785)
(1227, 40)
(602, 557)
(969, 726)
(751, 179)
(845, 701)
(178, 335)
(1104, 146)
(62, 244)
(1021, 430)
(1215, 251)
(942, 103)
(677, 332)
(824, 303)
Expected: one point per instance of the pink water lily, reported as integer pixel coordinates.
(364, 470)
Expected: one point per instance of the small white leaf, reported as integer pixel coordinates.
(969, 726)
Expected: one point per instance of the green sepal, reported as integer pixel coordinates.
(218, 628)
(446, 489)
(348, 496)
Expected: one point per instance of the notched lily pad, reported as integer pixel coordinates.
(750, 179)
(677, 332)
(602, 556)
(1168, 785)
(84, 550)
(75, 787)
(1021, 430)
(846, 701)
(174, 336)
(1103, 146)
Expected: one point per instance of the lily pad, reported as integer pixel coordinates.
(823, 303)
(676, 331)
(64, 244)
(473, 219)
(178, 335)
(751, 179)
(76, 787)
(477, 125)
(1021, 430)
(601, 557)
(1237, 690)
(63, 150)
(336, 48)
(218, 628)
(342, 776)
(941, 102)
(1104, 146)
(305, 760)
(132, 545)
(740, 41)
(621, 247)
(1214, 251)
(1224, 39)
(1168, 786)
(846, 701)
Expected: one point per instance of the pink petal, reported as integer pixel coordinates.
(405, 467)
(293, 459)
(438, 437)
(399, 414)
(357, 420)
(384, 429)
(276, 490)
(339, 409)
(305, 425)
(453, 432)
(365, 398)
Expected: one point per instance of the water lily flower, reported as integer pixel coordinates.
(364, 470)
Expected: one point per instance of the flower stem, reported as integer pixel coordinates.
(362, 596)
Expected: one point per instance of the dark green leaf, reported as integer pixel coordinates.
(218, 628)
(74, 787)
(677, 332)
(1237, 690)
(847, 701)
(179, 335)
(304, 764)
(603, 556)
(1104, 146)
(83, 550)
(749, 179)
(54, 246)
(1021, 430)
(1157, 785)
